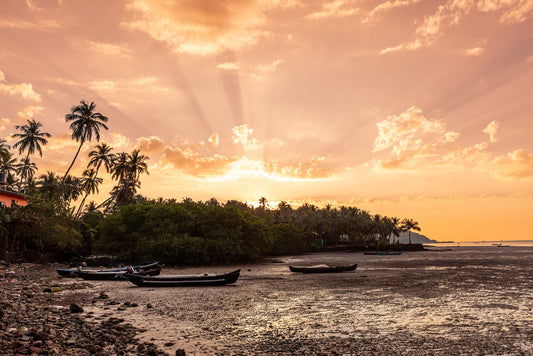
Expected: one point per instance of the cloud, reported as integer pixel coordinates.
(412, 139)
(477, 51)
(25, 90)
(214, 140)
(229, 66)
(243, 135)
(31, 5)
(492, 129)
(512, 166)
(39, 25)
(303, 170)
(110, 49)
(122, 85)
(150, 144)
(27, 113)
(401, 129)
(451, 14)
(337, 8)
(387, 6)
(187, 160)
(202, 27)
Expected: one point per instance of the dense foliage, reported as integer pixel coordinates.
(58, 224)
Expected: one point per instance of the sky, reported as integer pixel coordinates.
(406, 108)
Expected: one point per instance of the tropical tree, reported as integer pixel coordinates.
(26, 170)
(4, 148)
(31, 138)
(48, 185)
(85, 123)
(137, 164)
(408, 225)
(101, 155)
(8, 166)
(89, 184)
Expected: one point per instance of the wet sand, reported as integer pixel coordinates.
(468, 301)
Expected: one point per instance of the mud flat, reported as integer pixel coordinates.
(467, 301)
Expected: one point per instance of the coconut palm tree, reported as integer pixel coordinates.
(101, 155)
(26, 170)
(408, 225)
(31, 138)
(137, 164)
(89, 184)
(120, 170)
(8, 166)
(85, 123)
(48, 184)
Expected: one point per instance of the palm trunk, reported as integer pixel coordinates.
(81, 204)
(74, 160)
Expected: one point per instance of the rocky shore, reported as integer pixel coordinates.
(469, 301)
(36, 318)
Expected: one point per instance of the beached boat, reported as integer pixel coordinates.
(323, 268)
(184, 280)
(108, 273)
(383, 253)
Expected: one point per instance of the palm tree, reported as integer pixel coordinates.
(89, 184)
(48, 184)
(31, 138)
(4, 148)
(137, 164)
(8, 165)
(408, 225)
(101, 155)
(86, 123)
(120, 170)
(26, 170)
(70, 189)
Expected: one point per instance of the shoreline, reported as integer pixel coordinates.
(471, 300)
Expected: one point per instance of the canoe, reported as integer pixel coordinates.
(73, 272)
(184, 280)
(322, 268)
(384, 253)
(152, 269)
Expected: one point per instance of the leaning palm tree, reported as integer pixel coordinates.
(31, 138)
(85, 123)
(89, 184)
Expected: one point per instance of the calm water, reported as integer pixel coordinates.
(528, 243)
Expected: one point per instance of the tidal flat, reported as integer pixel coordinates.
(470, 300)
(467, 301)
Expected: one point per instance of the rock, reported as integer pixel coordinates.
(180, 352)
(95, 349)
(149, 306)
(168, 344)
(75, 308)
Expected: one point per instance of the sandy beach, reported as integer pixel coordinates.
(467, 301)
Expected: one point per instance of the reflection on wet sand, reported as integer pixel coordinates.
(471, 300)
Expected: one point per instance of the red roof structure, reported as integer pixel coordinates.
(7, 198)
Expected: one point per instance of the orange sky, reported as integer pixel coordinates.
(408, 108)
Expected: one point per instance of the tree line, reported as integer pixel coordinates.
(60, 224)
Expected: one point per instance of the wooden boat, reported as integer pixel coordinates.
(184, 280)
(322, 268)
(383, 253)
(118, 273)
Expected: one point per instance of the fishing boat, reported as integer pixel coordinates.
(383, 253)
(323, 268)
(108, 273)
(184, 280)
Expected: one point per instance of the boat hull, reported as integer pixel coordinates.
(322, 269)
(184, 281)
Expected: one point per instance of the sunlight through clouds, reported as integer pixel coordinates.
(25, 90)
